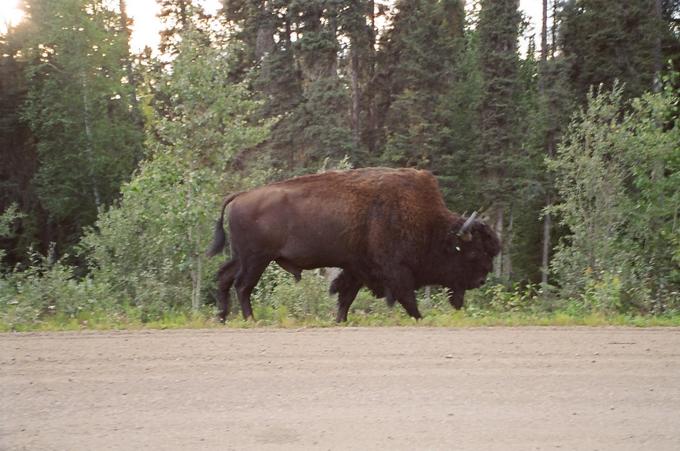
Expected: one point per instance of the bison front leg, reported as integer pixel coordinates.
(347, 286)
(408, 301)
(402, 288)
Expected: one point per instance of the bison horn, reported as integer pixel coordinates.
(467, 223)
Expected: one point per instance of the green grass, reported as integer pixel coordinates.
(279, 319)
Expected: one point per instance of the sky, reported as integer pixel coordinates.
(146, 25)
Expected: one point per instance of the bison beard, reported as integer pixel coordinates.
(388, 229)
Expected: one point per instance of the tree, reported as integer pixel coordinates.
(7, 219)
(622, 250)
(290, 54)
(17, 153)
(500, 155)
(151, 244)
(78, 108)
(422, 49)
(128, 63)
(553, 108)
(178, 16)
(608, 40)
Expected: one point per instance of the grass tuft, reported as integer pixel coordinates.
(270, 318)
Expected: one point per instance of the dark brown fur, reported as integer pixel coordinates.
(388, 229)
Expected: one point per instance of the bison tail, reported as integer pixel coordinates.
(219, 238)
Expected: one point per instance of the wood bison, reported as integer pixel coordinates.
(388, 229)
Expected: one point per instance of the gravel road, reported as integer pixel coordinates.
(342, 388)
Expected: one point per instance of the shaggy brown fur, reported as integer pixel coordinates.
(388, 229)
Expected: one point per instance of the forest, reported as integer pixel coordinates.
(114, 163)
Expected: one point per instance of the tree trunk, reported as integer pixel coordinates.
(195, 258)
(498, 264)
(544, 33)
(507, 244)
(658, 64)
(183, 20)
(370, 93)
(545, 254)
(89, 142)
(553, 30)
(333, 25)
(547, 220)
(132, 80)
(356, 94)
(196, 279)
(136, 111)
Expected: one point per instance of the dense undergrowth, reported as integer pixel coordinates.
(54, 299)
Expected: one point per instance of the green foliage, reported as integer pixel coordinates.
(321, 125)
(17, 152)
(423, 52)
(500, 298)
(288, 54)
(608, 40)
(306, 299)
(7, 220)
(278, 88)
(150, 245)
(78, 110)
(499, 26)
(46, 288)
(618, 175)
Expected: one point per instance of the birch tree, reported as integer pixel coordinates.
(152, 244)
(78, 108)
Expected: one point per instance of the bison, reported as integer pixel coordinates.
(387, 229)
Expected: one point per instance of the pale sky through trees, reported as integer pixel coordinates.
(146, 25)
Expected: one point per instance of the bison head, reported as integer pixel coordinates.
(474, 246)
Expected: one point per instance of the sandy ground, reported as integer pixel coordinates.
(342, 388)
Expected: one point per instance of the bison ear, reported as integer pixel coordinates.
(467, 237)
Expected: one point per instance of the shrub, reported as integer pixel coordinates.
(47, 288)
(618, 172)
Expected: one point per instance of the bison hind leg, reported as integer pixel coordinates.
(225, 279)
(246, 279)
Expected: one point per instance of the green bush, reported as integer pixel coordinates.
(150, 245)
(46, 289)
(309, 298)
(618, 175)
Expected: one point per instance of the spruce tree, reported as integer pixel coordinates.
(422, 46)
(290, 57)
(500, 156)
(608, 40)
